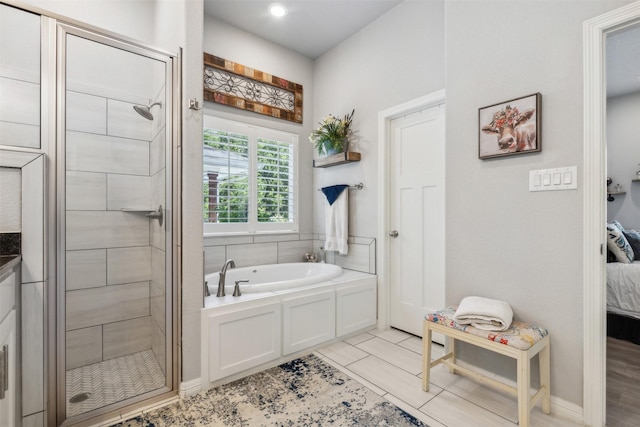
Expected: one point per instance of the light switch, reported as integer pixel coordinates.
(553, 179)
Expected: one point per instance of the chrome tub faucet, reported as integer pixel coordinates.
(227, 264)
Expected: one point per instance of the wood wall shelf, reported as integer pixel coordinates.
(336, 159)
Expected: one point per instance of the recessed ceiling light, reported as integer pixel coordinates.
(277, 9)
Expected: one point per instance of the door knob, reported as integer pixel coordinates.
(393, 233)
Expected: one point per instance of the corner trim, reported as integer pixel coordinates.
(594, 210)
(189, 388)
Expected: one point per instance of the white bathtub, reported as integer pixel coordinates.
(285, 310)
(274, 277)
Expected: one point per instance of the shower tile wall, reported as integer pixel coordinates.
(19, 78)
(114, 259)
(157, 232)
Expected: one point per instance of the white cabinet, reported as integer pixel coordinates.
(245, 334)
(308, 320)
(355, 307)
(8, 366)
(8, 358)
(243, 339)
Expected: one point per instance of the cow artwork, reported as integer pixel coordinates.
(510, 127)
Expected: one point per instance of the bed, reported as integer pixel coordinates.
(623, 283)
(623, 301)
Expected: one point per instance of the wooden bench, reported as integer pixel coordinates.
(521, 342)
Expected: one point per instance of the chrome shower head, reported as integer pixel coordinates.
(145, 111)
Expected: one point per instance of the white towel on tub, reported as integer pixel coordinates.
(336, 220)
(484, 313)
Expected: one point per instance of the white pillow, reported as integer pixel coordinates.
(619, 245)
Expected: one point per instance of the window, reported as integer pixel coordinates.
(249, 178)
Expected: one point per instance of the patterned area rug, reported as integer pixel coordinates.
(303, 392)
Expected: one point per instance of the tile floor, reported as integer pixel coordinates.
(390, 363)
(113, 381)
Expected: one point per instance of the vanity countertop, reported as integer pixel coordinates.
(7, 262)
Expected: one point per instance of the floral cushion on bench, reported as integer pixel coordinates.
(520, 335)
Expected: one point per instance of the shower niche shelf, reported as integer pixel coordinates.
(336, 159)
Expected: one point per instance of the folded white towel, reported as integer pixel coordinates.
(484, 313)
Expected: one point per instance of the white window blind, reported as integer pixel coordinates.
(249, 180)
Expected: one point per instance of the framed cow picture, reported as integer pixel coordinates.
(510, 127)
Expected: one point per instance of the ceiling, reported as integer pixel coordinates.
(623, 61)
(311, 27)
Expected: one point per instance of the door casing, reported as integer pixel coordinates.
(384, 194)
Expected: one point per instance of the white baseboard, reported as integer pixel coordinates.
(559, 407)
(190, 388)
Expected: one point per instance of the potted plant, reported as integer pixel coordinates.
(333, 134)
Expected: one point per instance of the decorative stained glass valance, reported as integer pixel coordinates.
(229, 83)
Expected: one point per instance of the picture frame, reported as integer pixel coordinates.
(510, 127)
(239, 86)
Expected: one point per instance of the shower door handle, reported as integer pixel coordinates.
(159, 214)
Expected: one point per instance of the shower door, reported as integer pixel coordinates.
(115, 290)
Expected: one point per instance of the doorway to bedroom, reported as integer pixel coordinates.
(623, 218)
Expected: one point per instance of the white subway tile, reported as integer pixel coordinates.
(11, 201)
(86, 113)
(86, 191)
(129, 192)
(99, 153)
(214, 257)
(86, 269)
(97, 306)
(33, 347)
(158, 270)
(293, 251)
(33, 221)
(128, 265)
(157, 153)
(126, 337)
(19, 102)
(125, 122)
(19, 135)
(256, 254)
(19, 44)
(84, 347)
(99, 229)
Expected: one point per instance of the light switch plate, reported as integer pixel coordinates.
(554, 179)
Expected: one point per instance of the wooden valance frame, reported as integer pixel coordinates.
(236, 85)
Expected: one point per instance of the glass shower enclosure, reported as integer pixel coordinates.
(114, 198)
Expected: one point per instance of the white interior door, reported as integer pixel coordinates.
(417, 215)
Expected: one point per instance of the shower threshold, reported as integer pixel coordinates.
(112, 381)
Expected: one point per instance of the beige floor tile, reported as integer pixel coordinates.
(395, 380)
(343, 353)
(412, 343)
(392, 335)
(488, 398)
(357, 339)
(413, 411)
(538, 418)
(397, 356)
(353, 375)
(454, 411)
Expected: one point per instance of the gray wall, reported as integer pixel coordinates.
(522, 247)
(623, 156)
(395, 59)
